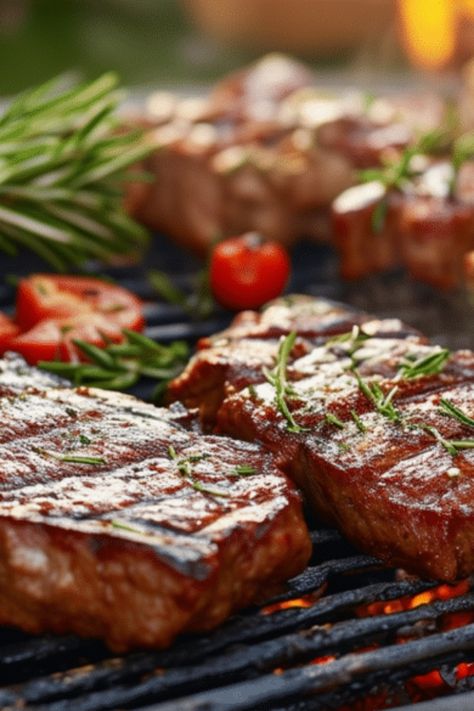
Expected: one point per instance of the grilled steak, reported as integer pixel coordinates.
(392, 470)
(117, 522)
(425, 228)
(267, 151)
(234, 358)
(366, 435)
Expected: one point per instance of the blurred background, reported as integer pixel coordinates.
(174, 42)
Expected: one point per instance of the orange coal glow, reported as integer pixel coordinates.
(431, 28)
(421, 687)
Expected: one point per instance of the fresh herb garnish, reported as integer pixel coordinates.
(359, 424)
(243, 470)
(431, 364)
(183, 465)
(380, 400)
(334, 420)
(62, 163)
(120, 366)
(115, 523)
(277, 377)
(354, 338)
(199, 304)
(395, 175)
(448, 408)
(69, 457)
(453, 446)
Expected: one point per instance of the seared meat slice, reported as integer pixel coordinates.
(115, 522)
(391, 478)
(236, 357)
(267, 151)
(425, 228)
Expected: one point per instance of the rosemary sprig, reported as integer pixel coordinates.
(332, 419)
(277, 378)
(431, 364)
(380, 400)
(354, 338)
(121, 366)
(62, 163)
(395, 175)
(448, 408)
(183, 465)
(69, 457)
(453, 446)
(358, 422)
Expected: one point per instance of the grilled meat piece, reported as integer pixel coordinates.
(235, 358)
(118, 523)
(386, 469)
(424, 228)
(267, 151)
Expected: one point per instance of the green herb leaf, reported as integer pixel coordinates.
(381, 401)
(60, 150)
(120, 366)
(334, 420)
(449, 409)
(431, 364)
(277, 378)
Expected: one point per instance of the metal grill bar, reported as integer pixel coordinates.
(268, 690)
(241, 663)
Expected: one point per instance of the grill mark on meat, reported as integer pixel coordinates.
(387, 488)
(235, 358)
(129, 544)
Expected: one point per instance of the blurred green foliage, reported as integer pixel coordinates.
(146, 41)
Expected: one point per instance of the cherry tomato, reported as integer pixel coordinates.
(8, 331)
(48, 296)
(246, 271)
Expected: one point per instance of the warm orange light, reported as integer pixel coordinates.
(429, 30)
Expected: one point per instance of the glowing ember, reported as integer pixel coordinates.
(305, 601)
(442, 592)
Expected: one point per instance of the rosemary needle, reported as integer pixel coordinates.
(63, 158)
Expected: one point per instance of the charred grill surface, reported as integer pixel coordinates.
(116, 522)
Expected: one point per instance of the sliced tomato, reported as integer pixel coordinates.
(53, 339)
(49, 296)
(8, 331)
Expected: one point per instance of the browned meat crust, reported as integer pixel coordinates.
(234, 358)
(267, 151)
(423, 228)
(390, 485)
(107, 532)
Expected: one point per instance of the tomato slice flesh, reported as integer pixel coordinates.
(48, 296)
(53, 311)
(8, 331)
(53, 339)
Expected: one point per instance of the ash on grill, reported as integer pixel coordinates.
(346, 634)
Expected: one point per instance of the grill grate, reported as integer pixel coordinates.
(233, 668)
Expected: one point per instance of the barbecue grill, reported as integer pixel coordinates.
(345, 634)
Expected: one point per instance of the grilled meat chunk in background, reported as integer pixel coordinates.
(387, 477)
(268, 151)
(423, 228)
(118, 523)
